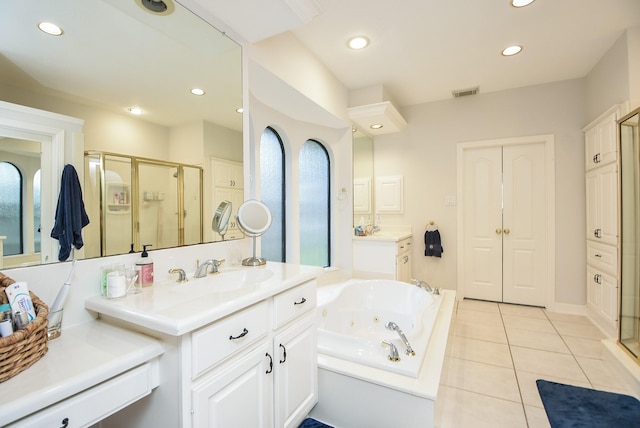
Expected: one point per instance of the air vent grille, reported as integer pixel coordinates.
(465, 92)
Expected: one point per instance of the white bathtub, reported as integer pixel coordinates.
(358, 385)
(352, 318)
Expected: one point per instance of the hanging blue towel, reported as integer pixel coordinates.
(71, 216)
(432, 244)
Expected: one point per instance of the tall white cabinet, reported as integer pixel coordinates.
(228, 185)
(601, 164)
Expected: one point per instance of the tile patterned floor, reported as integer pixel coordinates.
(497, 353)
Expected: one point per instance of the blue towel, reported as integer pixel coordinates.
(432, 244)
(71, 216)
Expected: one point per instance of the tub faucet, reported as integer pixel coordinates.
(423, 284)
(393, 351)
(182, 277)
(394, 327)
(203, 268)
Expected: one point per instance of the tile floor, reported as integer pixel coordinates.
(496, 353)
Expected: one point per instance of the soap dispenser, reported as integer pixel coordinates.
(146, 267)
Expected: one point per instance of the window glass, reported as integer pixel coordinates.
(314, 204)
(36, 212)
(11, 208)
(272, 185)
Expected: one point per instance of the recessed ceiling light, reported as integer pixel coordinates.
(50, 28)
(512, 50)
(135, 110)
(358, 42)
(376, 126)
(521, 3)
(197, 91)
(157, 7)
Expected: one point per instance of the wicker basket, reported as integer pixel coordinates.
(24, 347)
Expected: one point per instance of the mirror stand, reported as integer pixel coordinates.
(254, 261)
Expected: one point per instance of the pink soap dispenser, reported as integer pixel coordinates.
(146, 267)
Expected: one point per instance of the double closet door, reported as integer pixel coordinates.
(504, 223)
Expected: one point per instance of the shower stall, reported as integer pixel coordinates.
(629, 176)
(140, 201)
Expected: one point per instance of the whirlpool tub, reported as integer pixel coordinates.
(358, 384)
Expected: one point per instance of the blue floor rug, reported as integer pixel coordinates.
(571, 407)
(312, 423)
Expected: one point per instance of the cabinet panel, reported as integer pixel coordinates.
(296, 387)
(238, 395)
(602, 204)
(602, 294)
(214, 343)
(293, 303)
(603, 257)
(601, 143)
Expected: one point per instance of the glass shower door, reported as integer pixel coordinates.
(157, 205)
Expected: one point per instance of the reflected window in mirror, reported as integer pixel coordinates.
(11, 208)
(272, 192)
(315, 204)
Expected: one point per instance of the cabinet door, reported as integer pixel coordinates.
(601, 146)
(227, 174)
(602, 204)
(602, 294)
(403, 267)
(236, 395)
(296, 372)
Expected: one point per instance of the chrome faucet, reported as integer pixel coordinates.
(182, 277)
(393, 351)
(423, 284)
(203, 268)
(394, 327)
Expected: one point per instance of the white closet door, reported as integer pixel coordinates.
(483, 223)
(524, 224)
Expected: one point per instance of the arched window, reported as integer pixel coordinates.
(36, 212)
(272, 191)
(11, 208)
(315, 208)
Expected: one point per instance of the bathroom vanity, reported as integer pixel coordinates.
(89, 372)
(240, 347)
(384, 255)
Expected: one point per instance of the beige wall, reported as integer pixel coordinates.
(425, 154)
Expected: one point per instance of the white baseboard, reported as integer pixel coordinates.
(569, 308)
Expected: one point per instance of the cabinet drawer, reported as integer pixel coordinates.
(214, 343)
(293, 303)
(604, 257)
(95, 404)
(404, 246)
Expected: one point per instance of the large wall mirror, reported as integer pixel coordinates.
(114, 55)
(363, 179)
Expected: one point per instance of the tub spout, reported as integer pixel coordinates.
(393, 351)
(423, 284)
(394, 327)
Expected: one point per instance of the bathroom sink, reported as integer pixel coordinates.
(233, 278)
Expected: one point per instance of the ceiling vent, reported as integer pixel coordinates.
(465, 92)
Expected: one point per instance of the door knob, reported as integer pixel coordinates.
(507, 231)
(498, 231)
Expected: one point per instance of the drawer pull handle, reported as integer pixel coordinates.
(65, 423)
(270, 363)
(243, 334)
(598, 255)
(284, 354)
(303, 300)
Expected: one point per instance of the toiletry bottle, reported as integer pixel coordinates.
(146, 267)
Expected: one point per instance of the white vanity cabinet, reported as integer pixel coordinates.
(383, 257)
(257, 367)
(602, 215)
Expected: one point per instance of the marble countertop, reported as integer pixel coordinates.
(179, 308)
(82, 357)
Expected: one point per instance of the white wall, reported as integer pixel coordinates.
(425, 154)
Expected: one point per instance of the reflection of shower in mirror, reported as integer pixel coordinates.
(254, 218)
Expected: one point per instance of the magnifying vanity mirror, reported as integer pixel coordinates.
(114, 55)
(254, 219)
(220, 222)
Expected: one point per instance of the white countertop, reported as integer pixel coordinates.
(178, 308)
(80, 358)
(384, 236)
